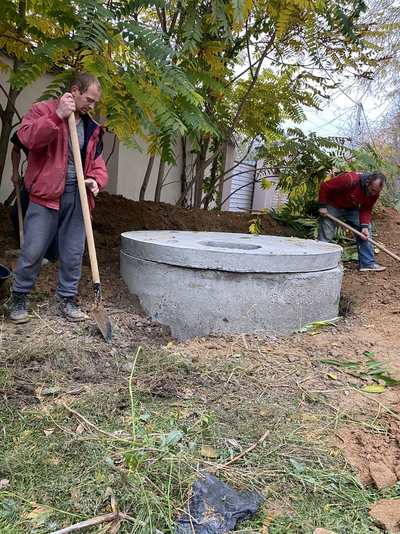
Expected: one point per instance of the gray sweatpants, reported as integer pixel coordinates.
(41, 224)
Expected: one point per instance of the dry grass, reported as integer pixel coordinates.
(144, 437)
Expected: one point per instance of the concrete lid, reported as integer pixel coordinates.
(231, 252)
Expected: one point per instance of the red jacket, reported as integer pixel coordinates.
(348, 191)
(45, 135)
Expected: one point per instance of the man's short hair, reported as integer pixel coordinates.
(83, 80)
(375, 175)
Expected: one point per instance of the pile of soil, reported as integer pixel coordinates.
(115, 214)
(375, 457)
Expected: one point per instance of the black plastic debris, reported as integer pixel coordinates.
(215, 508)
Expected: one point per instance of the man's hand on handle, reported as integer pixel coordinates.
(92, 185)
(66, 106)
(365, 233)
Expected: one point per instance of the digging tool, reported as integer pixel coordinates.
(20, 216)
(356, 232)
(98, 312)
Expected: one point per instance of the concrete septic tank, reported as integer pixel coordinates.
(200, 283)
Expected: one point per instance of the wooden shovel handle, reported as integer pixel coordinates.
(84, 200)
(356, 232)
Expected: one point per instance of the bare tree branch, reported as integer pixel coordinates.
(112, 149)
(3, 90)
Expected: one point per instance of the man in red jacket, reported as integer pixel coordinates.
(350, 196)
(50, 178)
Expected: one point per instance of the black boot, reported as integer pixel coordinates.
(70, 309)
(18, 309)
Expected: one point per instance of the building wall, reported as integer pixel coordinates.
(251, 197)
(271, 198)
(132, 165)
(126, 166)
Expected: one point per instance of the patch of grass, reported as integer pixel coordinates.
(147, 445)
(321, 497)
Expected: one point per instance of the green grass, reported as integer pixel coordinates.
(159, 419)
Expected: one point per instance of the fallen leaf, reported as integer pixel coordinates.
(50, 391)
(75, 391)
(374, 388)
(75, 496)
(122, 434)
(172, 438)
(209, 452)
(234, 443)
(332, 376)
(38, 516)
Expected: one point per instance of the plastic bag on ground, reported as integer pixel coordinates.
(216, 508)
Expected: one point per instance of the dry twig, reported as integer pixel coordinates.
(98, 520)
(91, 425)
(246, 451)
(46, 323)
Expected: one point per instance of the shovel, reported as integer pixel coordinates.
(99, 315)
(356, 232)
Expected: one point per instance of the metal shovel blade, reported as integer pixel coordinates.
(102, 320)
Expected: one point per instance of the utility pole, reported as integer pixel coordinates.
(357, 131)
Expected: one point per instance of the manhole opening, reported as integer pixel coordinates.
(228, 244)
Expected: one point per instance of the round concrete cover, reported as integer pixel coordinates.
(231, 252)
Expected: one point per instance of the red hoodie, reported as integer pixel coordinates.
(347, 191)
(45, 135)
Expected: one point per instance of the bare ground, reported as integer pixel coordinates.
(249, 382)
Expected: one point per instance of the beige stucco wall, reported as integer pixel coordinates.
(126, 166)
(131, 171)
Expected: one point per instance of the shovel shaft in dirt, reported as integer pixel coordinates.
(103, 322)
(356, 232)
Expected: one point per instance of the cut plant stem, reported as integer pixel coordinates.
(133, 414)
(98, 520)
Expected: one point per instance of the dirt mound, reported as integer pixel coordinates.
(386, 514)
(115, 214)
(375, 457)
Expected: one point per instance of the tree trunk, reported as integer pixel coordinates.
(7, 114)
(6, 127)
(201, 165)
(160, 178)
(183, 174)
(215, 177)
(146, 178)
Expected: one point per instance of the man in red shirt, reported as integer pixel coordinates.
(54, 202)
(350, 196)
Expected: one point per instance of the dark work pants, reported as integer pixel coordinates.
(327, 231)
(41, 226)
